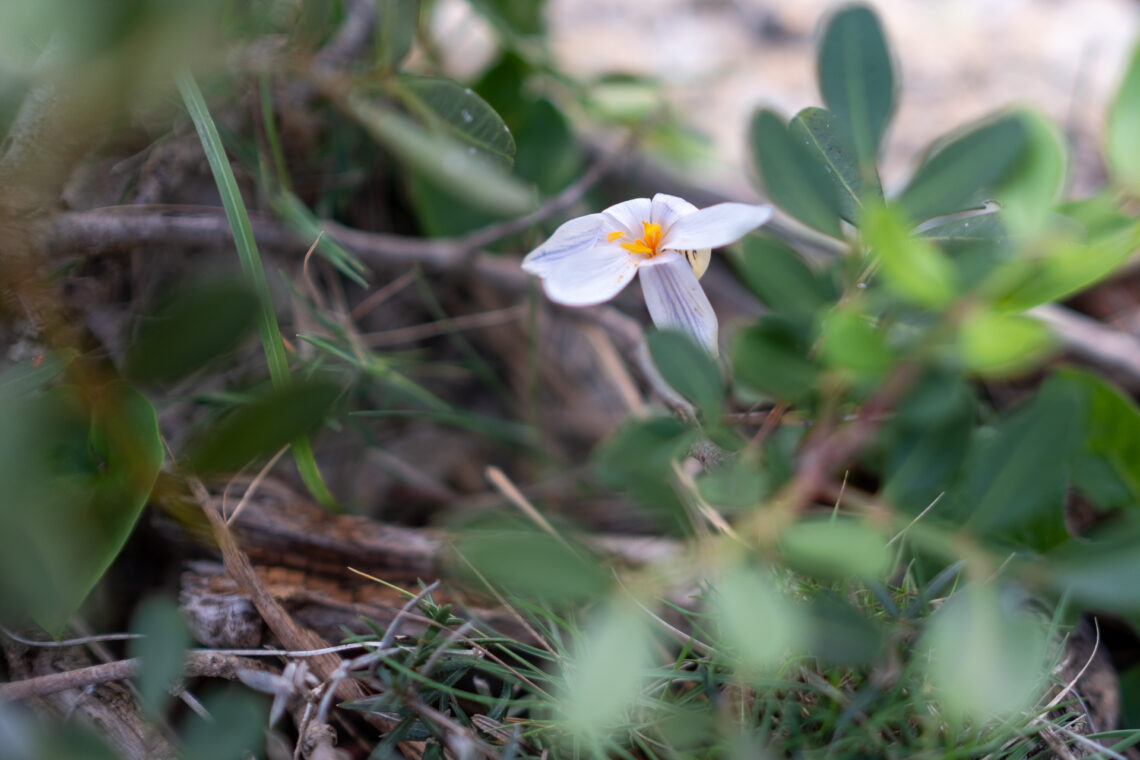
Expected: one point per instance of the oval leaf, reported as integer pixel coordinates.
(689, 369)
(955, 171)
(465, 115)
(839, 548)
(1121, 151)
(911, 267)
(818, 129)
(196, 324)
(772, 357)
(780, 277)
(856, 78)
(994, 344)
(261, 427)
(793, 174)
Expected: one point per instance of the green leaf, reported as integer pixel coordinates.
(1017, 477)
(639, 458)
(1111, 422)
(1066, 266)
(442, 158)
(257, 429)
(856, 77)
(757, 623)
(689, 369)
(605, 674)
(780, 278)
(235, 731)
(1036, 179)
(842, 635)
(995, 344)
(1098, 572)
(161, 651)
(530, 563)
(395, 30)
(251, 267)
(849, 341)
(772, 357)
(76, 473)
(1121, 149)
(987, 658)
(835, 548)
(518, 17)
(818, 129)
(794, 176)
(954, 171)
(912, 267)
(29, 376)
(193, 325)
(464, 115)
(547, 152)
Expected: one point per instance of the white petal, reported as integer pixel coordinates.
(676, 300)
(573, 237)
(715, 226)
(630, 214)
(667, 209)
(591, 277)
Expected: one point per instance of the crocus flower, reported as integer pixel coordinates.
(590, 259)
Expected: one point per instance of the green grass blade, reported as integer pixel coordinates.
(251, 266)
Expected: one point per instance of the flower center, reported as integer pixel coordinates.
(646, 245)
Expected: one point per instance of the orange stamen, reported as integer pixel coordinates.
(647, 245)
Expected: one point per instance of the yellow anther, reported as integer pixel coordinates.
(647, 245)
(614, 236)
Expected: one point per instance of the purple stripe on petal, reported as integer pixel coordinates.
(575, 236)
(676, 300)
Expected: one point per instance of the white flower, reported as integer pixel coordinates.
(590, 259)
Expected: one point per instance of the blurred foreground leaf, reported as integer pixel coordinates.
(757, 623)
(987, 661)
(689, 369)
(1121, 152)
(235, 732)
(197, 324)
(259, 428)
(75, 473)
(839, 548)
(161, 651)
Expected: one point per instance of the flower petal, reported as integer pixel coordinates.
(630, 214)
(573, 237)
(715, 226)
(676, 300)
(667, 209)
(592, 276)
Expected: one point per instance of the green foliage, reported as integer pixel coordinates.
(1123, 125)
(160, 650)
(84, 460)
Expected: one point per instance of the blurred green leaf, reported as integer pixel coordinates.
(926, 443)
(772, 357)
(1066, 266)
(1099, 571)
(689, 369)
(1036, 179)
(1121, 151)
(793, 173)
(639, 457)
(624, 99)
(395, 30)
(978, 244)
(956, 169)
(840, 634)
(236, 730)
(818, 129)
(996, 344)
(547, 152)
(780, 278)
(911, 266)
(465, 115)
(29, 376)
(1111, 424)
(68, 460)
(757, 623)
(856, 78)
(161, 651)
(191, 326)
(987, 658)
(835, 548)
(1016, 478)
(606, 672)
(257, 429)
(849, 341)
(523, 17)
(525, 561)
(443, 159)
